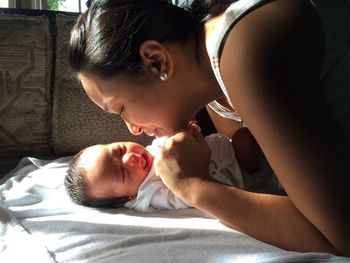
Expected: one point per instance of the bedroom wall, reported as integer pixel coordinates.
(25, 60)
(43, 108)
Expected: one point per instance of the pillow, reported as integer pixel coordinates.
(25, 105)
(78, 122)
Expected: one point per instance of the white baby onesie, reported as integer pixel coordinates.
(154, 195)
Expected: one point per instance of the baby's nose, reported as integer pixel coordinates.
(132, 160)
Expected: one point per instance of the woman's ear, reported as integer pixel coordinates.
(156, 58)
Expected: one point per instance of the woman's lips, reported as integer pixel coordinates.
(151, 133)
(156, 132)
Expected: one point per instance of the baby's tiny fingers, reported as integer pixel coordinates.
(198, 136)
(169, 143)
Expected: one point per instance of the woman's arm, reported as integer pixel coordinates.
(183, 167)
(270, 65)
(269, 218)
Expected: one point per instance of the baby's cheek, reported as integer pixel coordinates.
(140, 175)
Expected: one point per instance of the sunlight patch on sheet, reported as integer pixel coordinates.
(167, 219)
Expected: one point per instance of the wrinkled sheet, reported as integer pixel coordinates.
(40, 224)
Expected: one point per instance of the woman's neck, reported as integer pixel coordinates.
(207, 83)
(209, 29)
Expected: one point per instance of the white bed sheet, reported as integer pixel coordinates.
(40, 224)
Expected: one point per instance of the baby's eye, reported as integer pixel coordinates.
(117, 151)
(121, 150)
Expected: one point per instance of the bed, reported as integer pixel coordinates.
(40, 224)
(44, 113)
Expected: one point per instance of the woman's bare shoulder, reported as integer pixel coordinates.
(279, 33)
(269, 58)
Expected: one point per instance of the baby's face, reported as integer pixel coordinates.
(116, 169)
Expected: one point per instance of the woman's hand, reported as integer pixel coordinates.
(184, 161)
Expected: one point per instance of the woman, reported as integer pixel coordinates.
(268, 63)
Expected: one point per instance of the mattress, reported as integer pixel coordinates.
(39, 223)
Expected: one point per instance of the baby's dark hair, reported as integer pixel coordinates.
(76, 186)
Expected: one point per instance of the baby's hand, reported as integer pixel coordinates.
(195, 130)
(192, 125)
(184, 157)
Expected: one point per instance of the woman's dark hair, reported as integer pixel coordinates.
(105, 39)
(203, 10)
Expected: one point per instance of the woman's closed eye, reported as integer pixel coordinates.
(121, 111)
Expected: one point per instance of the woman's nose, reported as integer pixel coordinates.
(134, 129)
(132, 160)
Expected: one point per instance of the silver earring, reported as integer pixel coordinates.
(163, 76)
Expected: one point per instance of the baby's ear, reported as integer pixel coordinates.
(121, 201)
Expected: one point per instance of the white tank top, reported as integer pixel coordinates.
(232, 14)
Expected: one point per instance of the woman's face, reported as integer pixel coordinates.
(157, 109)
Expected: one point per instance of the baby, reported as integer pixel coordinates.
(122, 174)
